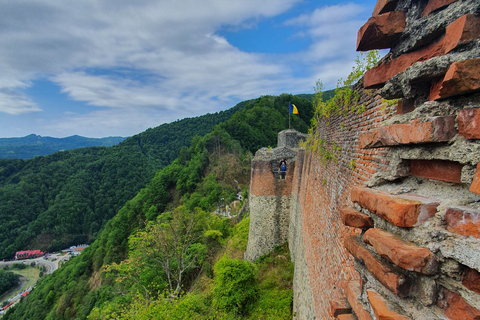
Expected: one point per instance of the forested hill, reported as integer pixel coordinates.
(34, 145)
(191, 186)
(65, 198)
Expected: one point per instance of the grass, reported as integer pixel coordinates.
(32, 275)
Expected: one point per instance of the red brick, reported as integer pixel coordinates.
(475, 186)
(435, 129)
(403, 254)
(405, 106)
(461, 78)
(401, 211)
(264, 182)
(384, 6)
(380, 32)
(471, 279)
(338, 307)
(443, 170)
(395, 282)
(352, 218)
(347, 317)
(352, 291)
(434, 5)
(463, 220)
(462, 30)
(380, 308)
(455, 308)
(469, 123)
(435, 87)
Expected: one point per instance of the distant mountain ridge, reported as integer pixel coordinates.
(34, 145)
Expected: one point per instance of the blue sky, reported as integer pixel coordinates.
(101, 68)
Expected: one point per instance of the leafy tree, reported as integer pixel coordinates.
(235, 285)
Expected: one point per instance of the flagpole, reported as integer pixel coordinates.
(288, 115)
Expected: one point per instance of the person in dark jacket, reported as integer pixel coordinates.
(283, 168)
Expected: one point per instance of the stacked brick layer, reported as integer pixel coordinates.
(392, 226)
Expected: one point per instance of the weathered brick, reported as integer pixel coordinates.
(381, 309)
(434, 129)
(455, 307)
(353, 290)
(475, 186)
(397, 283)
(338, 307)
(434, 5)
(403, 254)
(435, 87)
(469, 123)
(471, 279)
(462, 77)
(380, 32)
(264, 182)
(347, 317)
(405, 106)
(463, 220)
(384, 6)
(401, 211)
(352, 218)
(443, 170)
(462, 30)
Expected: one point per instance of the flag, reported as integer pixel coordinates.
(293, 109)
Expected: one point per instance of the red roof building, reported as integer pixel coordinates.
(28, 254)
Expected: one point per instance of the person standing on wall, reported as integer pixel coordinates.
(283, 168)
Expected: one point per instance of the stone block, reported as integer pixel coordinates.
(436, 129)
(433, 5)
(469, 123)
(462, 30)
(475, 186)
(401, 211)
(403, 254)
(461, 78)
(463, 220)
(443, 170)
(338, 307)
(353, 290)
(381, 309)
(380, 32)
(395, 282)
(471, 279)
(455, 307)
(384, 6)
(352, 218)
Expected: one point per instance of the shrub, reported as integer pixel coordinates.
(235, 285)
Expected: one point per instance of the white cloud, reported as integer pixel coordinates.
(160, 58)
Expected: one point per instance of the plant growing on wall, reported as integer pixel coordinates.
(345, 99)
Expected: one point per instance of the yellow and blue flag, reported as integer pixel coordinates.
(293, 109)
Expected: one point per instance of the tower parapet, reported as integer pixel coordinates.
(270, 195)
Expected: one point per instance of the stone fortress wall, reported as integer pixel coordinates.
(391, 229)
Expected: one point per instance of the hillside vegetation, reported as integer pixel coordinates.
(213, 168)
(33, 145)
(66, 198)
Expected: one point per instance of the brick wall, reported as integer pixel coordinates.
(391, 229)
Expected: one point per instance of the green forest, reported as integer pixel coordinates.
(66, 198)
(34, 145)
(145, 206)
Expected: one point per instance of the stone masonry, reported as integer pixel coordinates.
(270, 195)
(391, 229)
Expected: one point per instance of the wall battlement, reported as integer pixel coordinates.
(391, 229)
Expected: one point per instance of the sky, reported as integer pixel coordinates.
(99, 68)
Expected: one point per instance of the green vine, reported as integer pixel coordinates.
(345, 100)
